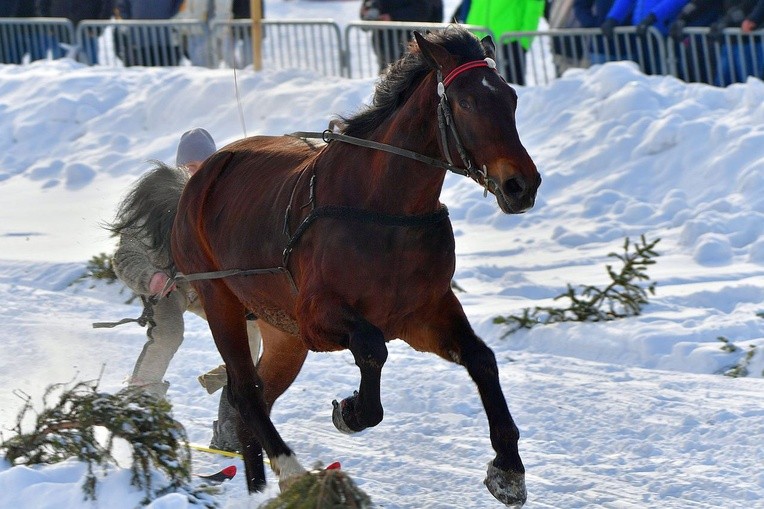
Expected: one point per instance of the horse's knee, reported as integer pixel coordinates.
(479, 357)
(367, 345)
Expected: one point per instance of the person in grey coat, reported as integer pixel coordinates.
(143, 263)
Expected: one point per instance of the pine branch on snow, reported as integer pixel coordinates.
(67, 429)
(621, 298)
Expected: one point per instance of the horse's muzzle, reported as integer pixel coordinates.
(516, 194)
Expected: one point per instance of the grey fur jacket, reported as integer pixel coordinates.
(134, 261)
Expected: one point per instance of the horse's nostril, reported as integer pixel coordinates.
(513, 187)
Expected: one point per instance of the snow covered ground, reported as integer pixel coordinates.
(627, 414)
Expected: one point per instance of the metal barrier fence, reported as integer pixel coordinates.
(366, 47)
(287, 44)
(554, 51)
(144, 43)
(717, 59)
(27, 39)
(699, 56)
(371, 45)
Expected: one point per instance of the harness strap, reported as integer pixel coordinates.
(445, 118)
(219, 274)
(365, 216)
(328, 136)
(488, 62)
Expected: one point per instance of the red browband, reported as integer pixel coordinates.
(465, 67)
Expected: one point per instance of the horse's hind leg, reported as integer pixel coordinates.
(364, 408)
(226, 317)
(447, 332)
(283, 357)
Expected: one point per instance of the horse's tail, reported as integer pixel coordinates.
(150, 207)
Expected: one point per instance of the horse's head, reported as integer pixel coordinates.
(482, 131)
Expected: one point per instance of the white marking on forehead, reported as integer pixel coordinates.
(488, 85)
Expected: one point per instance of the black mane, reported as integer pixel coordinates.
(392, 88)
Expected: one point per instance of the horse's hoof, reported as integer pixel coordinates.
(344, 415)
(507, 486)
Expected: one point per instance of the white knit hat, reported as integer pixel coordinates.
(195, 145)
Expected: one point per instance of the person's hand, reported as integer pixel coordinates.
(676, 30)
(646, 23)
(157, 284)
(608, 26)
(747, 26)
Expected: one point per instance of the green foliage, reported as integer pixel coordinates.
(322, 489)
(622, 298)
(66, 429)
(727, 346)
(100, 268)
(740, 368)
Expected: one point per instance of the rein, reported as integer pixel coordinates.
(328, 135)
(446, 124)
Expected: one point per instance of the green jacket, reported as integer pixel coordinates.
(502, 16)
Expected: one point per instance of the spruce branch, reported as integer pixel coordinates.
(624, 296)
(101, 268)
(66, 428)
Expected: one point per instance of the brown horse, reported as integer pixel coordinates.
(347, 246)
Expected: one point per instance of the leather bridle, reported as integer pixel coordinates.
(446, 122)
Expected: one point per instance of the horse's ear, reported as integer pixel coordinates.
(434, 54)
(489, 46)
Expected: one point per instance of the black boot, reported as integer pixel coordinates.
(224, 435)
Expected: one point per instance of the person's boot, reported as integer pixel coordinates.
(156, 389)
(224, 436)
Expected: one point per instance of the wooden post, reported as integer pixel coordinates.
(257, 34)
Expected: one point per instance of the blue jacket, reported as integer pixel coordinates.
(757, 14)
(666, 11)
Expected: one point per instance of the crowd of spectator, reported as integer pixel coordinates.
(652, 22)
(727, 61)
(133, 45)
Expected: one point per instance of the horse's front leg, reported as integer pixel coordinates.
(447, 332)
(364, 408)
(328, 323)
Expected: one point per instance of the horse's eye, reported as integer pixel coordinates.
(464, 104)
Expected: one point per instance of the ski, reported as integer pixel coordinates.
(210, 450)
(201, 448)
(226, 474)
